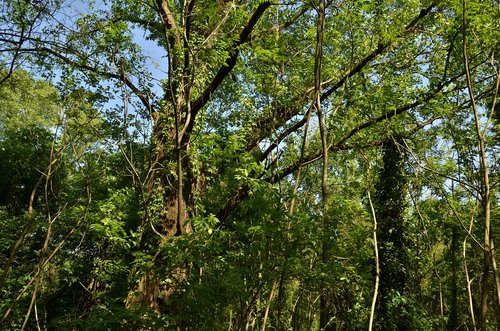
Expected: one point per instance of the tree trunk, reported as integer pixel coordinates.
(390, 205)
(170, 183)
(453, 316)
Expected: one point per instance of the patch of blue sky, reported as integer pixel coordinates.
(146, 75)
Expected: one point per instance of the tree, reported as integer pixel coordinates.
(390, 209)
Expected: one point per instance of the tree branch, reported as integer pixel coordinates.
(228, 66)
(286, 113)
(121, 76)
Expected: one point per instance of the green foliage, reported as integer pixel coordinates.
(90, 164)
(26, 102)
(24, 157)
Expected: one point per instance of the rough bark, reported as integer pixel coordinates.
(172, 172)
(390, 205)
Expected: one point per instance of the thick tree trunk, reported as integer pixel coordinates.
(390, 205)
(171, 180)
(171, 190)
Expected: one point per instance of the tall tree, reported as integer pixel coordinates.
(390, 210)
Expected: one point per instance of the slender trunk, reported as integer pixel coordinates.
(377, 266)
(469, 281)
(485, 181)
(324, 310)
(268, 307)
(281, 297)
(44, 251)
(497, 281)
(453, 316)
(492, 246)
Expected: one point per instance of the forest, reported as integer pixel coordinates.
(249, 165)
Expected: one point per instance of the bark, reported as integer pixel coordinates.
(324, 311)
(377, 264)
(485, 182)
(172, 171)
(453, 315)
(467, 277)
(263, 127)
(390, 205)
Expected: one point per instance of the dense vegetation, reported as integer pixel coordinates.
(249, 165)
